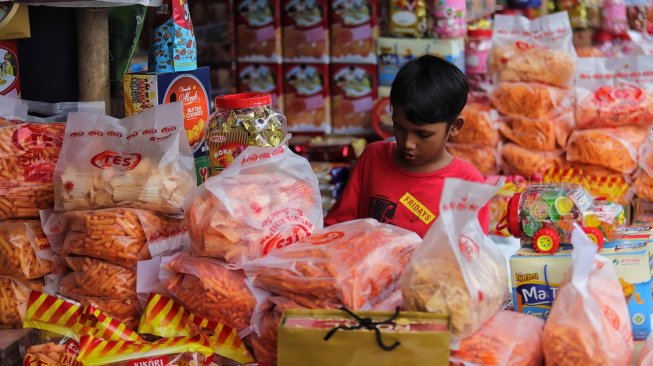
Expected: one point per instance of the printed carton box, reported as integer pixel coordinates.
(393, 53)
(259, 30)
(9, 74)
(354, 29)
(353, 94)
(146, 90)
(306, 97)
(305, 31)
(536, 278)
(263, 78)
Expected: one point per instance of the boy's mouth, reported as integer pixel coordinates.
(409, 156)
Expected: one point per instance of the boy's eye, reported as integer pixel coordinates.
(424, 134)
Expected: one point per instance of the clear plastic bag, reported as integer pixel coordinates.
(589, 323)
(612, 148)
(143, 161)
(519, 160)
(267, 199)
(548, 135)
(13, 300)
(458, 271)
(20, 241)
(356, 264)
(479, 127)
(530, 100)
(483, 157)
(646, 355)
(96, 278)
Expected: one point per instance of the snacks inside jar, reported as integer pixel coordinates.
(608, 217)
(242, 120)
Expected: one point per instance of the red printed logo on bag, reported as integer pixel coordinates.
(169, 129)
(468, 248)
(281, 240)
(114, 134)
(612, 317)
(31, 137)
(77, 134)
(154, 361)
(621, 99)
(96, 133)
(112, 159)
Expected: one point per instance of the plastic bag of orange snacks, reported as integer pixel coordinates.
(356, 264)
(483, 157)
(614, 92)
(539, 50)
(589, 323)
(264, 342)
(94, 277)
(266, 199)
(508, 338)
(612, 148)
(529, 100)
(13, 300)
(479, 127)
(547, 135)
(20, 241)
(518, 160)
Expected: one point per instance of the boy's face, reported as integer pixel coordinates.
(421, 148)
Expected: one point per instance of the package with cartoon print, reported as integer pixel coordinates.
(307, 100)
(305, 31)
(408, 18)
(353, 93)
(267, 199)
(172, 46)
(458, 271)
(143, 161)
(259, 31)
(262, 78)
(354, 29)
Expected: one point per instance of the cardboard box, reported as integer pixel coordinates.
(354, 29)
(353, 94)
(16, 24)
(215, 30)
(306, 97)
(146, 90)
(393, 53)
(536, 278)
(9, 69)
(259, 31)
(306, 31)
(263, 78)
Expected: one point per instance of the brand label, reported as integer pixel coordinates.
(158, 361)
(417, 208)
(468, 248)
(536, 294)
(116, 160)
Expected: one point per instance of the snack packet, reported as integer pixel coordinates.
(458, 271)
(20, 242)
(143, 161)
(612, 148)
(127, 311)
(614, 92)
(479, 127)
(539, 50)
(13, 300)
(517, 160)
(266, 199)
(589, 323)
(530, 100)
(53, 354)
(96, 278)
(483, 157)
(172, 43)
(356, 264)
(547, 135)
(508, 338)
(643, 186)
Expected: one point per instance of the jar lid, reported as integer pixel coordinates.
(243, 100)
(479, 33)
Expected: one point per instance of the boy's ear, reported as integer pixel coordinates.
(456, 126)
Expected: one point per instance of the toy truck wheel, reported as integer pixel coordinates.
(595, 235)
(546, 240)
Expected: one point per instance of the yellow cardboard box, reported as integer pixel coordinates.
(16, 24)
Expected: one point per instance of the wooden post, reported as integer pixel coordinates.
(93, 55)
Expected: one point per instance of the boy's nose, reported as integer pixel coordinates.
(411, 144)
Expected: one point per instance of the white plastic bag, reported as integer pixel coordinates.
(266, 199)
(646, 356)
(589, 323)
(458, 270)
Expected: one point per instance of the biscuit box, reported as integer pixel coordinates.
(393, 53)
(353, 31)
(259, 30)
(353, 94)
(305, 31)
(536, 277)
(146, 90)
(262, 78)
(306, 98)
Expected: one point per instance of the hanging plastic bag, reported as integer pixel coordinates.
(612, 148)
(458, 271)
(589, 323)
(266, 199)
(143, 161)
(539, 50)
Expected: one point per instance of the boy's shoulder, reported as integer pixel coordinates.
(378, 148)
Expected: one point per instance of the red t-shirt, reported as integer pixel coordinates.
(378, 189)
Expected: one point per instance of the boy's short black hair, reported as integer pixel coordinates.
(431, 90)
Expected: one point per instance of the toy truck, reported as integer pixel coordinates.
(544, 216)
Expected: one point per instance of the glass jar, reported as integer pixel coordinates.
(242, 120)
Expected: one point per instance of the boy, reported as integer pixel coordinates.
(401, 183)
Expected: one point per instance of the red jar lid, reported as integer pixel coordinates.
(243, 100)
(479, 33)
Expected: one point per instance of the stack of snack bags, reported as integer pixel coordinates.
(119, 188)
(643, 184)
(532, 65)
(478, 139)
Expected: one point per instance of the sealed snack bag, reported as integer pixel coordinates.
(612, 148)
(589, 323)
(483, 157)
(172, 46)
(96, 278)
(127, 311)
(164, 317)
(210, 289)
(530, 100)
(53, 354)
(266, 199)
(20, 242)
(143, 161)
(539, 50)
(356, 264)
(13, 300)
(546, 135)
(508, 338)
(264, 342)
(523, 161)
(614, 92)
(458, 271)
(643, 186)
(479, 127)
